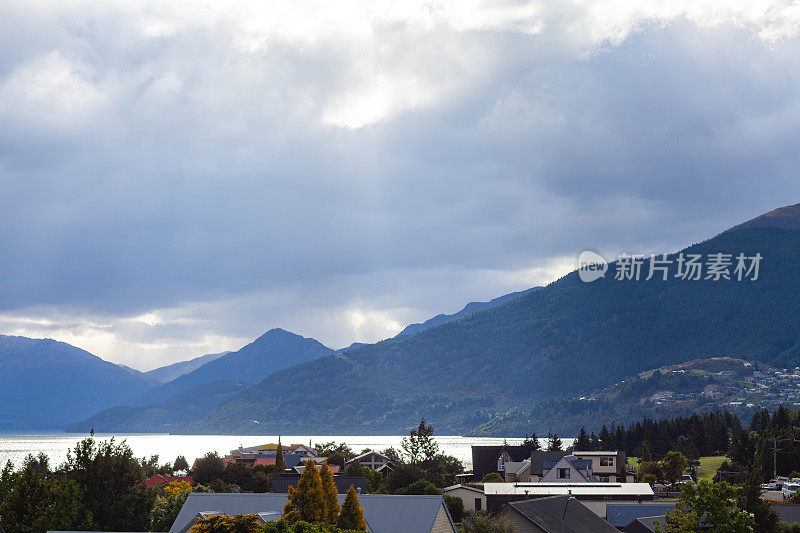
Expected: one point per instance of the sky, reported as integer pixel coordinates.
(178, 177)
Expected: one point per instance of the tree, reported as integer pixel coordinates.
(420, 445)
(307, 502)
(34, 504)
(707, 506)
(39, 464)
(645, 452)
(352, 515)
(240, 523)
(456, 507)
(208, 468)
(532, 442)
(280, 463)
(492, 477)
(482, 523)
(180, 464)
(166, 510)
(749, 500)
(582, 443)
(554, 443)
(673, 464)
(337, 454)
(330, 494)
(111, 480)
(421, 486)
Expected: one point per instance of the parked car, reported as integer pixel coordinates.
(788, 489)
(771, 485)
(779, 482)
(687, 478)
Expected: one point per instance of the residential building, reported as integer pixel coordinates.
(554, 514)
(645, 524)
(567, 469)
(492, 459)
(382, 513)
(620, 515)
(608, 465)
(266, 454)
(473, 497)
(374, 460)
(281, 484)
(158, 479)
(590, 493)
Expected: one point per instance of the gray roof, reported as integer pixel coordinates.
(645, 524)
(790, 512)
(622, 514)
(383, 513)
(547, 514)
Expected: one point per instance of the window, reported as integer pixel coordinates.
(563, 473)
(607, 461)
(478, 504)
(501, 462)
(604, 479)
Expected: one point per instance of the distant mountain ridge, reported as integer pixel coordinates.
(470, 308)
(274, 350)
(44, 383)
(175, 370)
(566, 339)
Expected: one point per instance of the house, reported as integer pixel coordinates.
(518, 471)
(538, 458)
(790, 512)
(568, 468)
(158, 479)
(554, 514)
(620, 515)
(474, 499)
(646, 524)
(266, 454)
(281, 484)
(593, 495)
(383, 513)
(608, 465)
(489, 459)
(374, 460)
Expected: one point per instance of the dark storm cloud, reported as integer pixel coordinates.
(238, 169)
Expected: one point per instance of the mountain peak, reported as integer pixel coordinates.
(787, 217)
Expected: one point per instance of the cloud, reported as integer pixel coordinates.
(178, 177)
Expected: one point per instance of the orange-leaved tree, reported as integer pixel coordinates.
(240, 523)
(352, 515)
(330, 494)
(307, 501)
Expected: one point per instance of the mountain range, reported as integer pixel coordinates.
(513, 362)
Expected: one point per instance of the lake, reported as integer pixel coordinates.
(15, 446)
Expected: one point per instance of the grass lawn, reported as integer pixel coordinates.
(708, 466)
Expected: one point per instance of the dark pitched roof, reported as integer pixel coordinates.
(538, 457)
(790, 512)
(645, 524)
(546, 514)
(484, 458)
(622, 514)
(383, 513)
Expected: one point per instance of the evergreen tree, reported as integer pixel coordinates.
(766, 520)
(352, 515)
(180, 464)
(308, 500)
(645, 452)
(280, 463)
(606, 442)
(595, 442)
(583, 443)
(531, 442)
(553, 442)
(330, 493)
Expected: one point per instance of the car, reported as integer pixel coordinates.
(789, 489)
(769, 486)
(686, 478)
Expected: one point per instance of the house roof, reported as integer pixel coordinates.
(484, 458)
(460, 486)
(538, 457)
(577, 489)
(158, 479)
(607, 453)
(644, 524)
(357, 457)
(580, 465)
(547, 513)
(790, 512)
(515, 467)
(265, 461)
(622, 514)
(383, 513)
